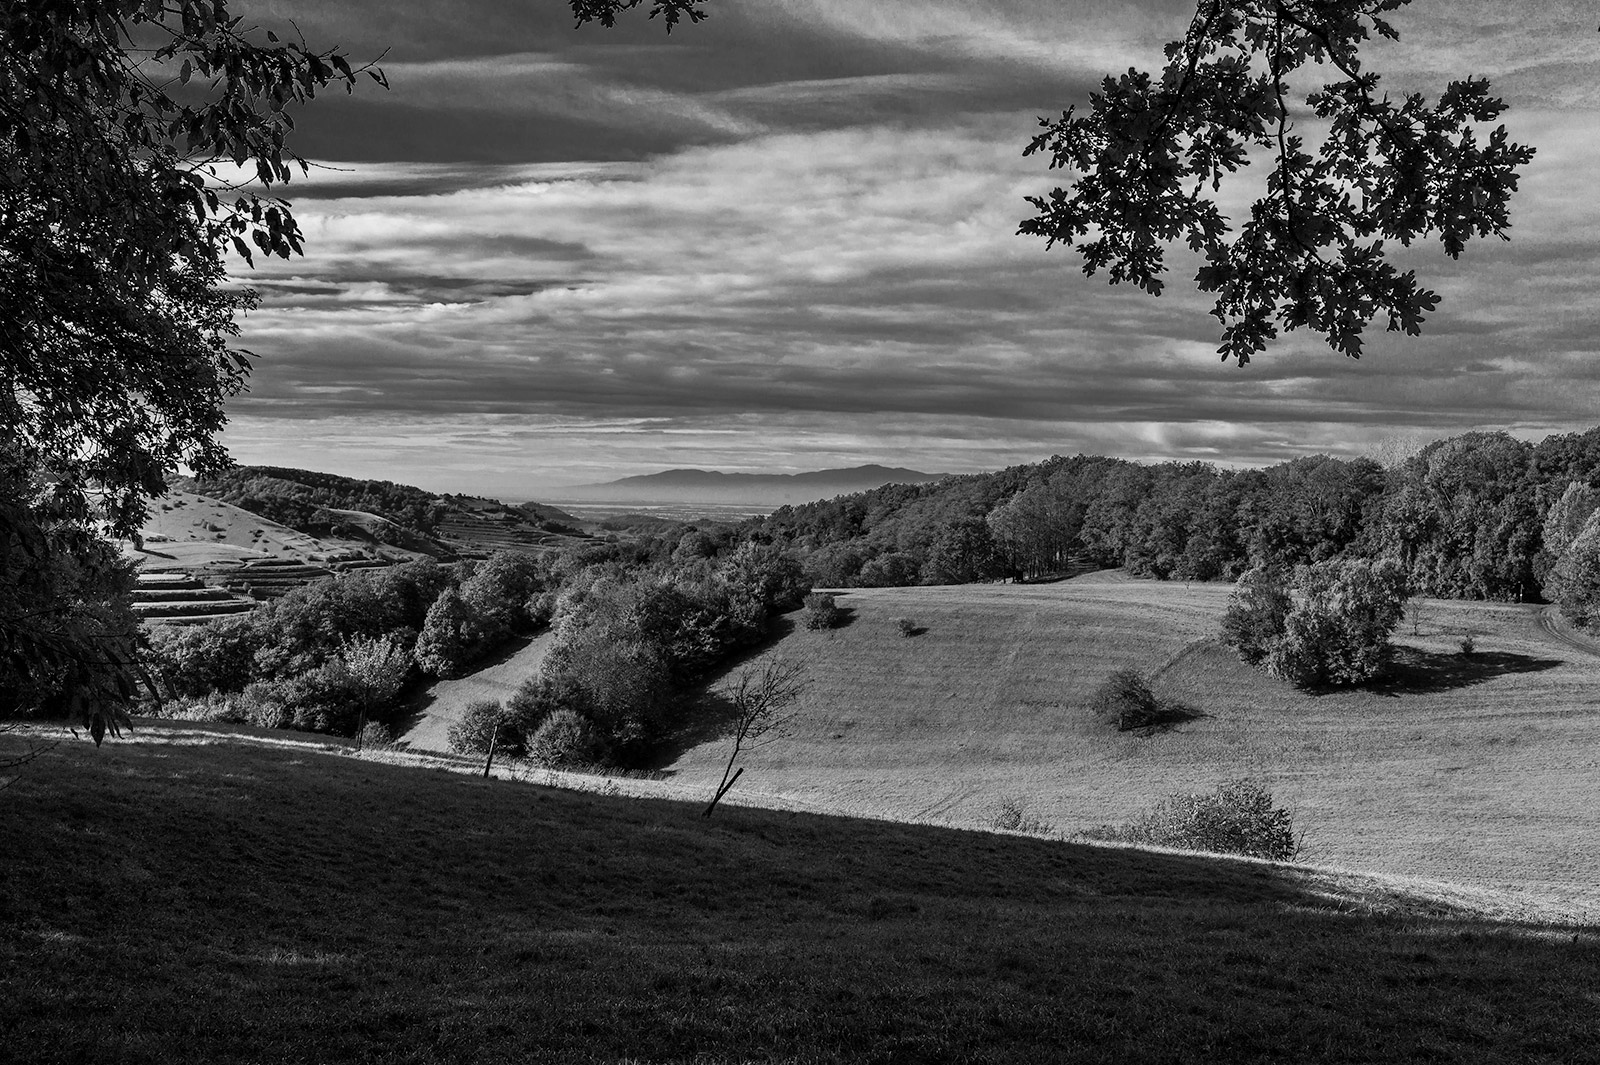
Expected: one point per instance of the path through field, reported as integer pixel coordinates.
(431, 714)
(1553, 625)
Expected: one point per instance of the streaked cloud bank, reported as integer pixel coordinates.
(784, 239)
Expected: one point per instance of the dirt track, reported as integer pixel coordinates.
(1553, 625)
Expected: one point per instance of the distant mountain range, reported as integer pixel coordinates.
(713, 486)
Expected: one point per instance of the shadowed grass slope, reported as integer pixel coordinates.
(237, 903)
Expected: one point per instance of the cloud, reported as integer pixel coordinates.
(830, 275)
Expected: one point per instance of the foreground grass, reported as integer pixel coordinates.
(237, 903)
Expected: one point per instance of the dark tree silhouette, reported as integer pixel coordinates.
(1153, 153)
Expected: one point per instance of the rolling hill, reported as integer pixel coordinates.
(187, 530)
(388, 518)
(1475, 769)
(770, 489)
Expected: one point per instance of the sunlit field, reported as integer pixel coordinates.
(1481, 769)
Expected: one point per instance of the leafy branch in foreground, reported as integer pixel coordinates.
(131, 132)
(605, 12)
(1152, 154)
(122, 123)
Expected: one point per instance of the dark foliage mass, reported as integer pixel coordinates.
(1467, 517)
(1333, 631)
(116, 321)
(632, 641)
(308, 660)
(823, 612)
(637, 623)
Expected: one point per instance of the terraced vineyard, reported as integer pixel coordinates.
(475, 533)
(180, 598)
(271, 577)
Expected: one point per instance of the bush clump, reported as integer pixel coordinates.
(1236, 818)
(565, 740)
(1125, 699)
(1013, 814)
(907, 626)
(822, 611)
(1257, 610)
(1334, 629)
(473, 730)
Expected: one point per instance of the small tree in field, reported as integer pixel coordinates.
(822, 611)
(482, 723)
(1338, 631)
(1257, 609)
(1333, 630)
(761, 711)
(1237, 817)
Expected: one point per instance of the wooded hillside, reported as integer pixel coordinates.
(1478, 516)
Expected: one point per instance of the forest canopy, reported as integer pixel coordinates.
(1465, 517)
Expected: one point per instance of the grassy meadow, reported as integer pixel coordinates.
(1480, 769)
(173, 899)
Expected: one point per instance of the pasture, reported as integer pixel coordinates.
(1480, 770)
(189, 896)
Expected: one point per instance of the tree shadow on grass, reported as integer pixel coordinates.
(707, 711)
(1165, 716)
(1417, 672)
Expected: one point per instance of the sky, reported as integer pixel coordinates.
(784, 239)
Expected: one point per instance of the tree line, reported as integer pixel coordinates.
(1482, 515)
(636, 625)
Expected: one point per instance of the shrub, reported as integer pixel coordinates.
(376, 736)
(822, 611)
(1236, 818)
(1335, 630)
(1338, 631)
(213, 706)
(1468, 647)
(1014, 815)
(1126, 699)
(266, 704)
(565, 739)
(472, 731)
(907, 626)
(1257, 609)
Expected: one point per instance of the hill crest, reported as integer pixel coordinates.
(713, 486)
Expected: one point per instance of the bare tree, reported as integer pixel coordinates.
(761, 703)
